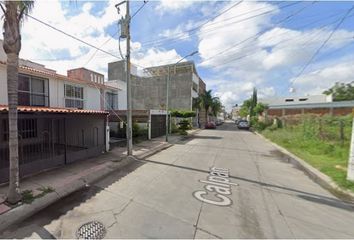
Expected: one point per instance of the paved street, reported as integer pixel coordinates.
(165, 198)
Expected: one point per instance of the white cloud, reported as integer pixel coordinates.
(42, 44)
(155, 57)
(179, 32)
(317, 81)
(229, 46)
(173, 5)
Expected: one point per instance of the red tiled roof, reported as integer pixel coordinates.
(26, 69)
(4, 108)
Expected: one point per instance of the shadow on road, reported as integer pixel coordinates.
(36, 223)
(301, 194)
(329, 202)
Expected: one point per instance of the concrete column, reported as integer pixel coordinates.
(107, 138)
(149, 126)
(350, 173)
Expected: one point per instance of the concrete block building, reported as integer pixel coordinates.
(149, 91)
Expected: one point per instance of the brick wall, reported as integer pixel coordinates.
(318, 111)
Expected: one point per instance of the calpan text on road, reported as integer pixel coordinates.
(217, 188)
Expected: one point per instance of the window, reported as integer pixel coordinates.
(111, 101)
(289, 100)
(303, 99)
(74, 96)
(32, 91)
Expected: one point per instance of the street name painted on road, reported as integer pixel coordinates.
(217, 189)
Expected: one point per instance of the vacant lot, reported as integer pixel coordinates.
(321, 141)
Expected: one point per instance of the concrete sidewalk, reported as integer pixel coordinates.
(50, 186)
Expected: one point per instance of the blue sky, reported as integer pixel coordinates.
(254, 44)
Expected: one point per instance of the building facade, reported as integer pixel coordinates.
(61, 119)
(149, 91)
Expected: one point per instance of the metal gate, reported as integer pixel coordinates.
(158, 125)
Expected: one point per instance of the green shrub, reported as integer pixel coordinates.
(184, 125)
(135, 130)
(174, 128)
(182, 114)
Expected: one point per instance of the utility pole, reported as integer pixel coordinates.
(129, 89)
(125, 33)
(167, 96)
(350, 171)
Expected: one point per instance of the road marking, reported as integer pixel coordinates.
(217, 188)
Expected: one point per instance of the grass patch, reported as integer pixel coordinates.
(28, 197)
(321, 143)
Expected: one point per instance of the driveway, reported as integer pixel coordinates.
(221, 183)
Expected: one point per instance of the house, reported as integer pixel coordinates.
(61, 119)
(149, 91)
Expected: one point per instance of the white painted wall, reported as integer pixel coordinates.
(122, 92)
(92, 98)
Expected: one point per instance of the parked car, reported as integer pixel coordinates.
(243, 124)
(210, 125)
(219, 122)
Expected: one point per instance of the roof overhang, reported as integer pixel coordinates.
(30, 109)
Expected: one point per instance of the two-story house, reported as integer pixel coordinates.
(61, 118)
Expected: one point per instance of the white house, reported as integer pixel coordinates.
(61, 118)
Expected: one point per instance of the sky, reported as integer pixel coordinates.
(272, 46)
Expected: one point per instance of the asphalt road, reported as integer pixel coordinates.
(222, 183)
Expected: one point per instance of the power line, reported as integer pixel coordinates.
(173, 41)
(286, 40)
(322, 46)
(255, 35)
(69, 35)
(196, 28)
(141, 7)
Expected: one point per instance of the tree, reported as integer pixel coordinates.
(197, 104)
(14, 12)
(341, 91)
(245, 108)
(206, 101)
(216, 106)
(259, 108)
(253, 102)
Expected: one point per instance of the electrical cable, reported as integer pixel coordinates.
(321, 46)
(69, 35)
(199, 26)
(286, 40)
(208, 31)
(255, 35)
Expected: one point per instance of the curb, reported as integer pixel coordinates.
(24, 211)
(318, 177)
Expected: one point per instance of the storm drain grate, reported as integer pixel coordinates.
(91, 230)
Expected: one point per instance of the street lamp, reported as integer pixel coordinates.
(168, 87)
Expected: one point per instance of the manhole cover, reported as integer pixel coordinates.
(91, 230)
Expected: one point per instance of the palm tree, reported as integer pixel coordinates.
(14, 12)
(197, 105)
(216, 106)
(206, 101)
